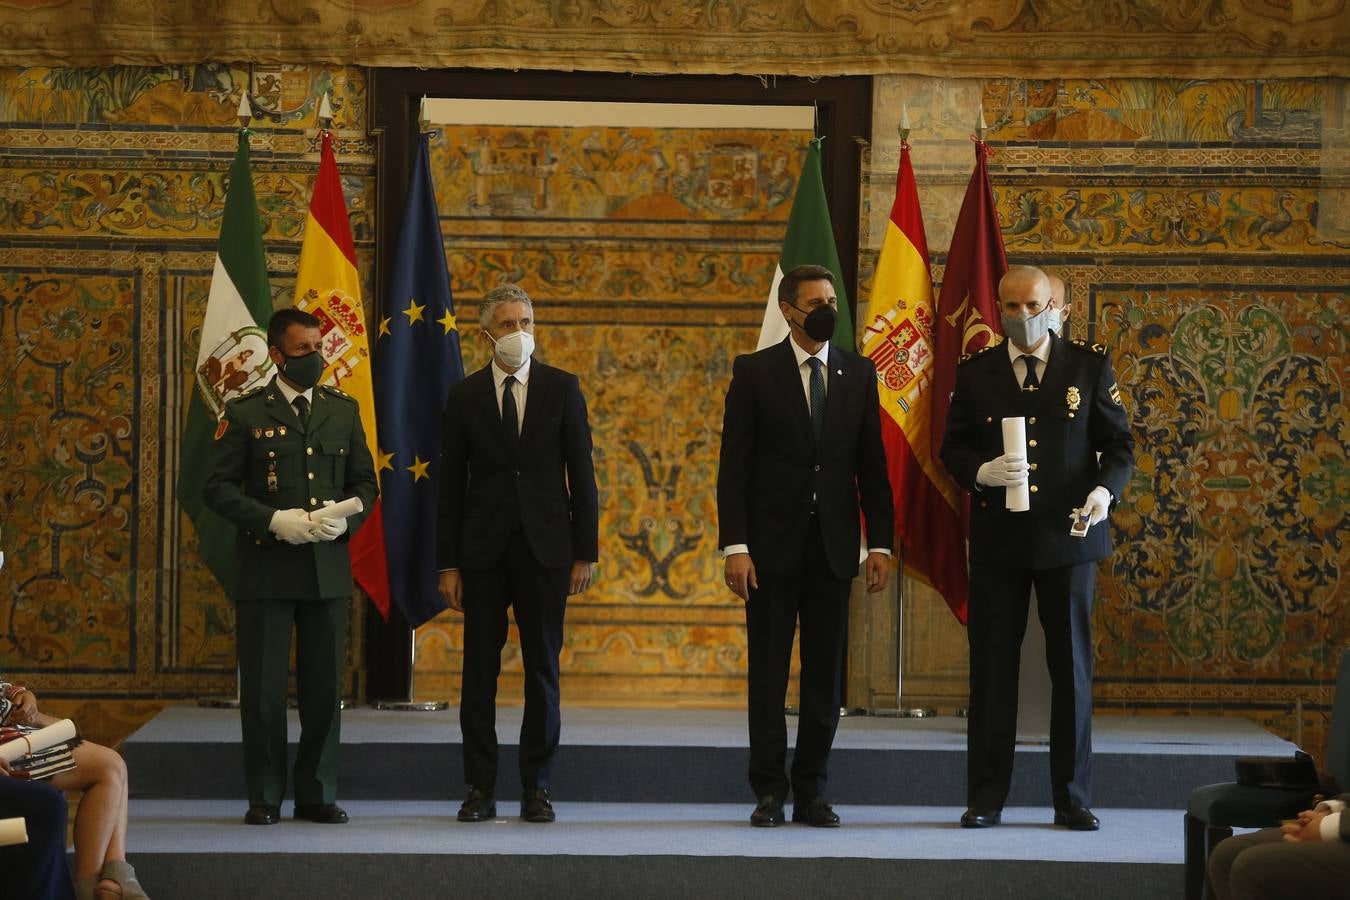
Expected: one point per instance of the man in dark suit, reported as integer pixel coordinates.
(282, 452)
(518, 528)
(1308, 858)
(1078, 458)
(801, 452)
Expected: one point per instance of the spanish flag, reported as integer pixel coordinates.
(327, 286)
(899, 340)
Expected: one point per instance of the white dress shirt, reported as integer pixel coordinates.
(1042, 353)
(522, 390)
(291, 393)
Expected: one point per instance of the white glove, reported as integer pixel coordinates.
(292, 526)
(329, 529)
(1008, 470)
(1096, 505)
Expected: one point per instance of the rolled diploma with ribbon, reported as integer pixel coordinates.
(341, 510)
(37, 741)
(1016, 499)
(13, 831)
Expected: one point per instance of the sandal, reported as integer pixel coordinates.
(120, 872)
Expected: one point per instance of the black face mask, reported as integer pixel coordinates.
(304, 370)
(819, 322)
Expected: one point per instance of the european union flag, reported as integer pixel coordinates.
(417, 361)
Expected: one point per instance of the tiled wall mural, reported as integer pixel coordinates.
(649, 253)
(1203, 227)
(1204, 230)
(110, 202)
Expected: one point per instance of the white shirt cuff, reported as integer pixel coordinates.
(1332, 805)
(882, 550)
(1331, 827)
(733, 549)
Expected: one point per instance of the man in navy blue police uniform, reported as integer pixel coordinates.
(1079, 454)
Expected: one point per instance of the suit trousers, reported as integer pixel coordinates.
(999, 599)
(1263, 866)
(820, 599)
(36, 870)
(537, 598)
(264, 636)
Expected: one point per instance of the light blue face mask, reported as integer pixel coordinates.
(1027, 332)
(1054, 319)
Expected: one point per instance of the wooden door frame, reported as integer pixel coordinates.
(844, 113)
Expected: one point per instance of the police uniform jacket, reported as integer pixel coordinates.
(1075, 414)
(264, 460)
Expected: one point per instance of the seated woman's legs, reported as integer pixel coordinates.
(101, 820)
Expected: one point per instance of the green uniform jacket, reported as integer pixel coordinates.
(263, 460)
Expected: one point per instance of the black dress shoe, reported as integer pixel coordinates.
(769, 812)
(259, 814)
(534, 806)
(323, 813)
(981, 818)
(1080, 818)
(477, 807)
(816, 813)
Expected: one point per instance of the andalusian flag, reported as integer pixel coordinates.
(809, 239)
(328, 287)
(231, 357)
(899, 340)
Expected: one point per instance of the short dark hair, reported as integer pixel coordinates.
(793, 278)
(282, 320)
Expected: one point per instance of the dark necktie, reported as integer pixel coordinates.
(302, 409)
(509, 417)
(817, 391)
(1031, 382)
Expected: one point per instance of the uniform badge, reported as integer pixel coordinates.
(257, 433)
(1073, 399)
(281, 430)
(270, 432)
(272, 486)
(1114, 391)
(221, 427)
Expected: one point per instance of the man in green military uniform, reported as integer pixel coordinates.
(282, 453)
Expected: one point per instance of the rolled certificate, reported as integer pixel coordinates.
(13, 831)
(37, 741)
(1016, 499)
(341, 510)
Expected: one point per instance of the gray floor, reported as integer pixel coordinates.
(642, 829)
(1201, 735)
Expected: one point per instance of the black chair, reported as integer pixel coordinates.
(1213, 811)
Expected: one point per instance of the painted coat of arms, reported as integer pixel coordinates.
(902, 351)
(340, 324)
(236, 365)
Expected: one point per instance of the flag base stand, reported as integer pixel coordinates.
(218, 702)
(844, 711)
(344, 703)
(913, 712)
(411, 705)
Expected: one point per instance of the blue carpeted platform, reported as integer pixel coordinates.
(654, 803)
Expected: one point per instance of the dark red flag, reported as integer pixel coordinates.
(967, 314)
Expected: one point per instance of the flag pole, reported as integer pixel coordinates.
(225, 701)
(409, 704)
(900, 711)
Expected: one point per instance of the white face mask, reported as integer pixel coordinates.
(1053, 319)
(513, 349)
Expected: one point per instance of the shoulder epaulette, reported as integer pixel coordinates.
(1099, 349)
(980, 352)
(337, 392)
(251, 392)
